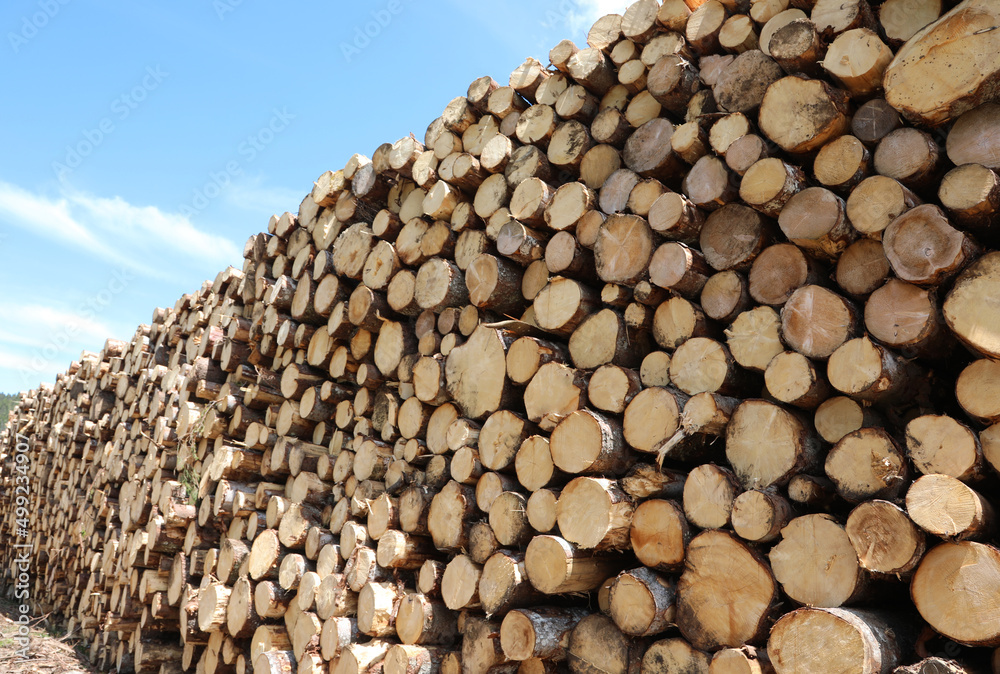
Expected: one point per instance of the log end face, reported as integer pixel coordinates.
(725, 594)
(584, 512)
(546, 561)
(476, 373)
(884, 538)
(763, 443)
(967, 607)
(517, 636)
(947, 68)
(816, 640)
(971, 309)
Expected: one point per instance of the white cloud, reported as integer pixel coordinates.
(100, 255)
(13, 361)
(52, 216)
(44, 320)
(253, 195)
(152, 225)
(40, 339)
(143, 238)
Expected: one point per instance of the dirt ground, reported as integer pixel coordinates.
(49, 651)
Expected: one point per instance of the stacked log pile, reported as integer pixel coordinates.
(679, 355)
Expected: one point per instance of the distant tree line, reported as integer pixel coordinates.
(7, 403)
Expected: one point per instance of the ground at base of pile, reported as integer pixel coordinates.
(47, 653)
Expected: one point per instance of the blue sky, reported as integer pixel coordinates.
(142, 143)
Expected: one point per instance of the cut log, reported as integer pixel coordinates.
(725, 296)
(553, 393)
(554, 566)
(963, 609)
(678, 320)
(970, 140)
(445, 518)
(944, 250)
(701, 365)
(675, 217)
(862, 268)
(769, 184)
(708, 413)
(744, 660)
(814, 219)
(652, 418)
(677, 267)
(377, 604)
(778, 272)
(499, 439)
(659, 534)
(213, 604)
(504, 583)
(460, 583)
(885, 539)
(767, 445)
(910, 156)
(675, 655)
(938, 444)
(397, 550)
(562, 305)
(867, 371)
(816, 322)
(672, 81)
(412, 659)
(839, 415)
(592, 69)
(623, 249)
(421, 620)
(508, 519)
(846, 639)
(733, 236)
(857, 59)
(907, 318)
(357, 658)
(709, 492)
(816, 563)
(594, 513)
(943, 506)
(726, 593)
(538, 633)
(613, 387)
(969, 312)
(793, 379)
(265, 556)
(596, 645)
(971, 195)
(603, 338)
(759, 516)
(641, 602)
(794, 43)
(586, 442)
(744, 152)
(476, 372)
(975, 390)
(801, 115)
(923, 98)
(865, 464)
(709, 185)
(842, 164)
(742, 84)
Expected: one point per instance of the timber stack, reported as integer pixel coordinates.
(681, 354)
